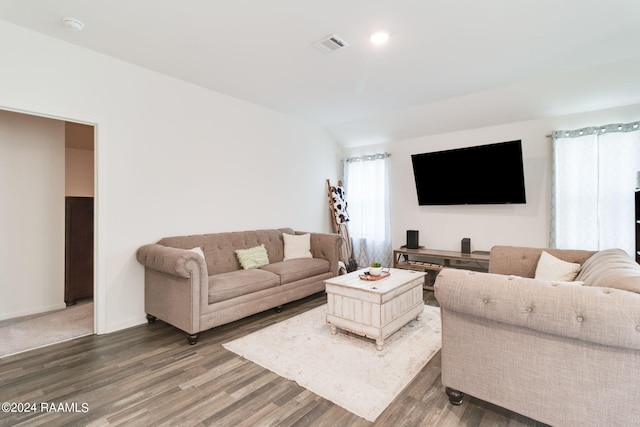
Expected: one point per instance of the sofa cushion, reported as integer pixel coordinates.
(219, 248)
(629, 283)
(611, 268)
(554, 269)
(225, 286)
(297, 246)
(254, 257)
(298, 269)
(523, 261)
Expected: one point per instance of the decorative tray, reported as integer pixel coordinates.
(369, 277)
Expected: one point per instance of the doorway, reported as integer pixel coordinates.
(41, 161)
(79, 212)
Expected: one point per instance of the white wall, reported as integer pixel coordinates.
(443, 227)
(172, 158)
(31, 214)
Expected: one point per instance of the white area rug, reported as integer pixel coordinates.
(38, 330)
(344, 368)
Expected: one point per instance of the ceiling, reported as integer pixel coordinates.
(442, 55)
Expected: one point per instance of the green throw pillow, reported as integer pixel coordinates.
(255, 257)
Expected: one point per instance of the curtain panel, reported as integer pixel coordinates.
(366, 181)
(595, 172)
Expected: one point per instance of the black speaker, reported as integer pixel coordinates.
(412, 239)
(466, 246)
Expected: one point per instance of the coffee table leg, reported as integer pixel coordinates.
(379, 344)
(333, 329)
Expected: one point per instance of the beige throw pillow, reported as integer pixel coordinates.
(199, 251)
(556, 270)
(297, 246)
(255, 257)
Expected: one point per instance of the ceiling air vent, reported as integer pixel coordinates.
(330, 44)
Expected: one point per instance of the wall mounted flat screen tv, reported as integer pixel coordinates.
(480, 175)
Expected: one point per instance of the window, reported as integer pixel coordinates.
(595, 173)
(366, 181)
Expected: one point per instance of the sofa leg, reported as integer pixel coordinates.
(151, 319)
(279, 309)
(455, 396)
(192, 338)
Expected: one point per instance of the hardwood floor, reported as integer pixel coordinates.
(149, 375)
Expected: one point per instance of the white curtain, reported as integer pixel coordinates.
(366, 181)
(595, 174)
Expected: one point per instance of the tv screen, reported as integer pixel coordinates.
(480, 175)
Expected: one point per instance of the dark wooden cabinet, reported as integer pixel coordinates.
(78, 282)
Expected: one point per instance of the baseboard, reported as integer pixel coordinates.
(125, 324)
(31, 311)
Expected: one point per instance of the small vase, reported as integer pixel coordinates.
(375, 271)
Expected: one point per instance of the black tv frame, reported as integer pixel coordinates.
(487, 174)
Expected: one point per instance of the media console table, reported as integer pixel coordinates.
(431, 261)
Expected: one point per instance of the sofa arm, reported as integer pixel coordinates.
(594, 314)
(174, 261)
(326, 246)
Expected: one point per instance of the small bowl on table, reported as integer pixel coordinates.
(375, 270)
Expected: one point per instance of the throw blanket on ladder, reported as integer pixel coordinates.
(339, 205)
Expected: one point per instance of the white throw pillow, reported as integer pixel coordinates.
(198, 250)
(297, 246)
(554, 269)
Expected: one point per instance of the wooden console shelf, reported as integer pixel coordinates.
(432, 261)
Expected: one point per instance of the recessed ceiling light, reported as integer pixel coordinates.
(379, 37)
(73, 24)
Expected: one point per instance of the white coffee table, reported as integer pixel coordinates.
(374, 309)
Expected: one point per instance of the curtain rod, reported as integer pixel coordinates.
(368, 157)
(597, 130)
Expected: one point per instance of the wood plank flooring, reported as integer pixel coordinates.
(149, 375)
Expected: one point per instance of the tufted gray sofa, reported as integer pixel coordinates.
(563, 353)
(195, 295)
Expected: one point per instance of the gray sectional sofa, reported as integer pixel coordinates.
(563, 353)
(196, 294)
